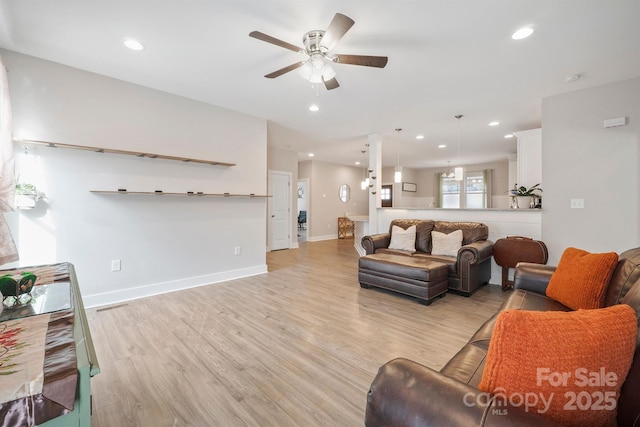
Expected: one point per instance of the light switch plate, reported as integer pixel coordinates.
(577, 203)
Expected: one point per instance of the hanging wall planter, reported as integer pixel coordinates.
(26, 196)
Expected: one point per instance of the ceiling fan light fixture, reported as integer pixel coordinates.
(315, 67)
(306, 70)
(328, 72)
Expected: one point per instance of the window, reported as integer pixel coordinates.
(470, 193)
(449, 193)
(386, 196)
(475, 191)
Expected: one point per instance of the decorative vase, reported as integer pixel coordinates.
(14, 286)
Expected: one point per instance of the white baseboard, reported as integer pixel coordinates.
(143, 291)
(321, 238)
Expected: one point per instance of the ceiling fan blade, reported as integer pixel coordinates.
(266, 38)
(338, 27)
(284, 70)
(331, 84)
(367, 61)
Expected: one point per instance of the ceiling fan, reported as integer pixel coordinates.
(317, 46)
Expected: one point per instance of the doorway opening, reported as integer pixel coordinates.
(303, 209)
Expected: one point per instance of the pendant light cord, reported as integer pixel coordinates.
(459, 116)
(398, 148)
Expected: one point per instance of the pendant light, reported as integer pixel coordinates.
(397, 177)
(364, 184)
(448, 173)
(458, 172)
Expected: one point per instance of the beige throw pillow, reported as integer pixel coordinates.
(404, 240)
(446, 244)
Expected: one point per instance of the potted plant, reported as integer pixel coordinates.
(26, 196)
(528, 196)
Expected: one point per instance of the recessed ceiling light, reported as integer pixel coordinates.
(419, 136)
(133, 44)
(357, 163)
(442, 146)
(314, 108)
(494, 123)
(509, 135)
(522, 33)
(311, 154)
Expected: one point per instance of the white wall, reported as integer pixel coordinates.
(582, 160)
(164, 242)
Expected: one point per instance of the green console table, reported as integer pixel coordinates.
(56, 313)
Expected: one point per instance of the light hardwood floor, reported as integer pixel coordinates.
(298, 346)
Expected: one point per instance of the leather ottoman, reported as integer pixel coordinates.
(418, 277)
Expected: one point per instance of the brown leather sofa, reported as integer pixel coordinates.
(405, 393)
(467, 272)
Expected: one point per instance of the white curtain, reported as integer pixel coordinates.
(8, 251)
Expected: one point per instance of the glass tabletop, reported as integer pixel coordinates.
(44, 299)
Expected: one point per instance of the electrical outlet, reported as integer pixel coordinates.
(115, 265)
(237, 250)
(577, 203)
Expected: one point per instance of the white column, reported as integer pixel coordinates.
(375, 163)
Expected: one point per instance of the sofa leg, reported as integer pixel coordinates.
(425, 301)
(364, 285)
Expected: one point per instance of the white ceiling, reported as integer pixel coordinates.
(446, 57)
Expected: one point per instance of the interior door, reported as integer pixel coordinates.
(280, 210)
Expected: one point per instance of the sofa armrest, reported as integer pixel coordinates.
(476, 252)
(405, 393)
(375, 241)
(532, 277)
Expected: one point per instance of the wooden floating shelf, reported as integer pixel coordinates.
(161, 193)
(125, 152)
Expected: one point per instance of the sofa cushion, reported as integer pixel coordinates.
(471, 231)
(581, 278)
(449, 260)
(467, 365)
(423, 231)
(446, 244)
(518, 300)
(404, 240)
(562, 355)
